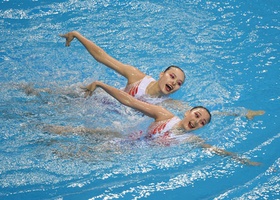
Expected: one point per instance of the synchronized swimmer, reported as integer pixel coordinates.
(166, 125)
(140, 85)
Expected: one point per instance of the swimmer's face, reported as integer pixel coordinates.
(195, 119)
(171, 80)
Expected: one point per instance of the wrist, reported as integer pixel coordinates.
(98, 83)
(75, 33)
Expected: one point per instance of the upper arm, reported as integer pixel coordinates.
(176, 104)
(128, 71)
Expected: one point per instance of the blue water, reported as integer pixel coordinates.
(230, 52)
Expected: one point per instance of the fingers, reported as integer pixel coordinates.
(67, 44)
(255, 163)
(85, 90)
(68, 39)
(62, 35)
(88, 93)
(251, 113)
(252, 163)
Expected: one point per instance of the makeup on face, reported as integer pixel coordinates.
(171, 80)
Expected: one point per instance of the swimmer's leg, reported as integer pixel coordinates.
(111, 138)
(72, 91)
(79, 130)
(58, 129)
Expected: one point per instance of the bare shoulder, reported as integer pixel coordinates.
(133, 74)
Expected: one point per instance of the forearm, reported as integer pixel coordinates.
(175, 104)
(217, 150)
(91, 47)
(234, 156)
(227, 113)
(154, 111)
(101, 56)
(249, 114)
(121, 96)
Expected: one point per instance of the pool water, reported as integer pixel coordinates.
(230, 53)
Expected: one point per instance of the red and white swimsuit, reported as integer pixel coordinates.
(138, 89)
(162, 128)
(161, 133)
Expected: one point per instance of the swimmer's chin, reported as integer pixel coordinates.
(190, 126)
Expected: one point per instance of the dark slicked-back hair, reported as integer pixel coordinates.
(174, 66)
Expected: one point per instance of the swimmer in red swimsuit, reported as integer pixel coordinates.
(166, 122)
(170, 80)
(165, 126)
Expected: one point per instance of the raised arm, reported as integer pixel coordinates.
(131, 73)
(157, 112)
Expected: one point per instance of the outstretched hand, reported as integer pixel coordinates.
(252, 113)
(89, 89)
(246, 161)
(69, 37)
(234, 156)
(253, 163)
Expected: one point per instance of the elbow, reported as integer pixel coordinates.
(126, 99)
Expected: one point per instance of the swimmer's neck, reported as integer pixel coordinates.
(179, 129)
(153, 90)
